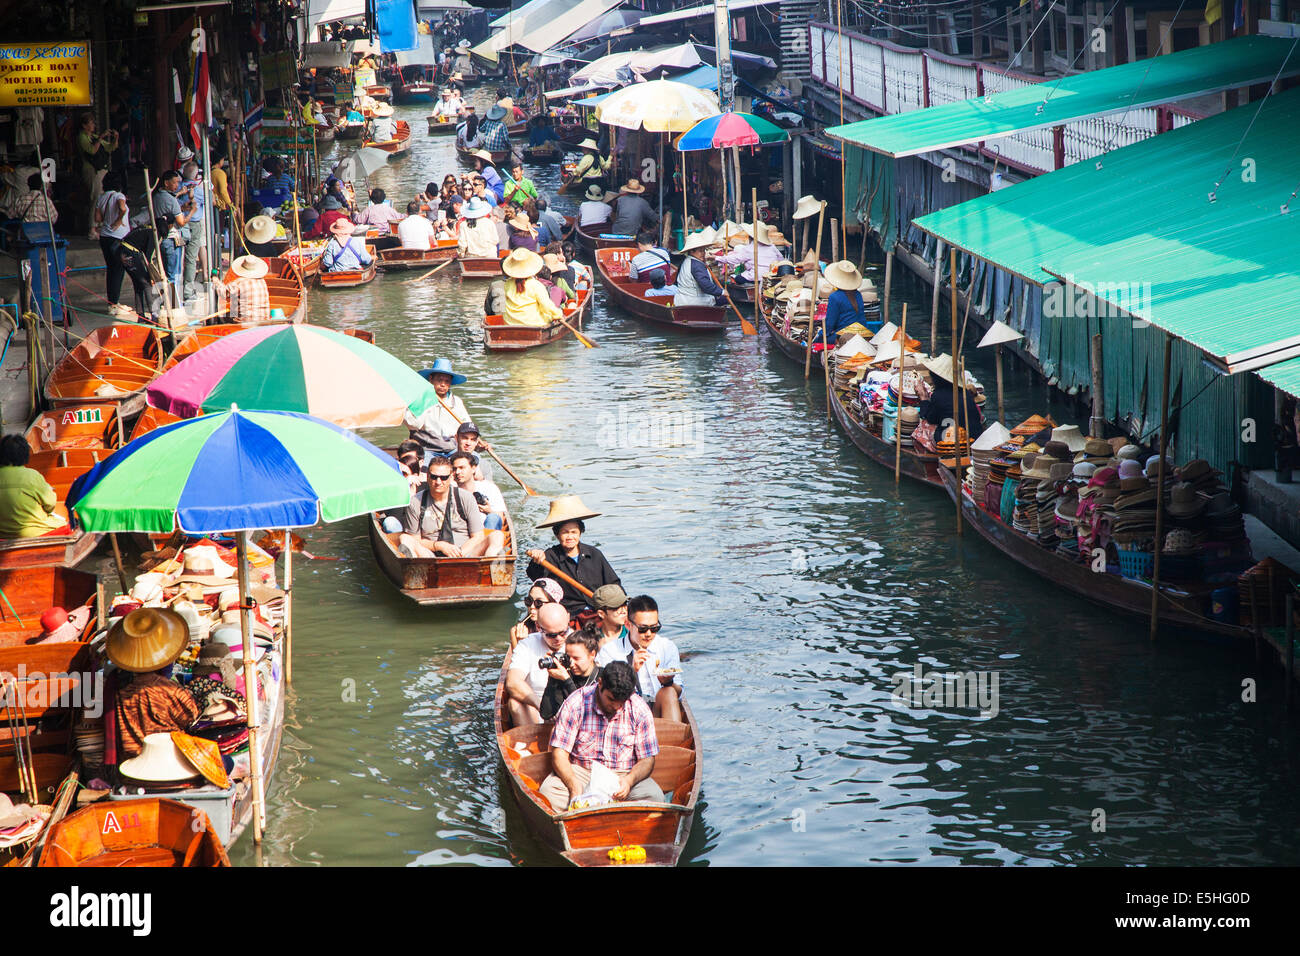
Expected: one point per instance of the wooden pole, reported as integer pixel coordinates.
(250, 686)
(889, 280)
(898, 422)
(997, 357)
(117, 560)
(816, 286)
(1290, 651)
(753, 244)
(959, 410)
(1098, 396)
(288, 607)
(1160, 491)
(686, 215)
(934, 300)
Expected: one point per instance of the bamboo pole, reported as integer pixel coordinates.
(288, 607)
(934, 299)
(835, 239)
(959, 367)
(889, 281)
(898, 422)
(1098, 396)
(1160, 491)
(250, 687)
(816, 286)
(997, 357)
(686, 215)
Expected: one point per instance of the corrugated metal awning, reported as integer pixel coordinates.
(544, 26)
(704, 11)
(1148, 231)
(1117, 89)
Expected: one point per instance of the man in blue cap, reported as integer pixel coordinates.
(435, 429)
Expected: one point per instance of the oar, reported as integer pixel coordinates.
(745, 325)
(438, 268)
(589, 343)
(528, 491)
(564, 577)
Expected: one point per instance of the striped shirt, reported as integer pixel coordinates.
(620, 742)
(250, 300)
(152, 704)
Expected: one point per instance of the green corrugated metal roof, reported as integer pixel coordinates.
(1163, 79)
(1284, 375)
(1221, 275)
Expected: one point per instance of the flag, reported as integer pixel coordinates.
(1213, 12)
(253, 118)
(1238, 16)
(257, 28)
(200, 99)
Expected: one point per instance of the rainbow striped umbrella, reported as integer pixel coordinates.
(295, 368)
(730, 129)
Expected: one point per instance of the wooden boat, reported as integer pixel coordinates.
(499, 337)
(446, 582)
(1180, 609)
(585, 837)
(117, 833)
(791, 347)
(380, 91)
(611, 266)
(286, 293)
(475, 268)
(442, 127)
(740, 293)
(399, 144)
(349, 279)
(591, 238)
(414, 85)
(443, 249)
(466, 155)
(307, 258)
(912, 463)
(544, 154)
(112, 363)
(346, 130)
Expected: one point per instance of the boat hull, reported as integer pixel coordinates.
(611, 267)
(499, 337)
(475, 268)
(352, 278)
(398, 259)
(445, 582)
(922, 468)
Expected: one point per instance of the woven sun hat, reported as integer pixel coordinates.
(203, 564)
(1152, 469)
(1132, 452)
(567, 508)
(506, 103)
(159, 761)
(147, 639)
(259, 229)
(383, 109)
(595, 193)
(1096, 449)
(998, 333)
(890, 351)
(994, 435)
(1184, 502)
(442, 366)
(1084, 469)
(520, 222)
(522, 263)
(552, 262)
(1061, 471)
(885, 334)
(341, 228)
(775, 237)
(588, 143)
(632, 186)
(843, 275)
(1041, 468)
(941, 365)
(697, 240)
(1194, 469)
(807, 206)
(475, 209)
(1070, 435)
(1128, 468)
(204, 756)
(482, 154)
(855, 346)
(250, 267)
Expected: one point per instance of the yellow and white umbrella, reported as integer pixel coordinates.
(657, 106)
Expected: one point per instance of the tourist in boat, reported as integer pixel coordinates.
(654, 659)
(551, 226)
(27, 501)
(695, 284)
(495, 136)
(522, 234)
(560, 274)
(741, 257)
(435, 429)
(610, 623)
(448, 106)
(464, 466)
(443, 521)
(331, 211)
(594, 210)
(247, 295)
(591, 169)
(527, 301)
(585, 564)
(631, 212)
(581, 271)
(650, 260)
(518, 187)
(415, 231)
(542, 591)
(606, 721)
(143, 646)
(483, 166)
(345, 252)
(938, 409)
(481, 191)
(571, 675)
(469, 440)
(526, 678)
(379, 213)
(467, 133)
(383, 130)
(658, 287)
(477, 232)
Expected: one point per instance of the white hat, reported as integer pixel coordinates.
(855, 346)
(886, 334)
(807, 206)
(996, 434)
(998, 333)
(1070, 435)
(159, 761)
(697, 240)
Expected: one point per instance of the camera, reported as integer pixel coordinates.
(546, 663)
(480, 497)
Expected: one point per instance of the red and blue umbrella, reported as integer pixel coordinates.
(730, 129)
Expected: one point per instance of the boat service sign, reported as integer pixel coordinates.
(45, 74)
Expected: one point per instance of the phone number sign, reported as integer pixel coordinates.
(44, 74)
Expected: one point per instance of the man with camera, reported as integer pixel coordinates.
(533, 665)
(574, 669)
(488, 497)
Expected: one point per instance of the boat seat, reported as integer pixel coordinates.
(536, 736)
(674, 769)
(672, 733)
(535, 768)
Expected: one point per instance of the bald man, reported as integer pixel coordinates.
(526, 679)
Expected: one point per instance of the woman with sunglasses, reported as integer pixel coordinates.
(543, 591)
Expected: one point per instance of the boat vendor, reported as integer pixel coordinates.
(145, 644)
(449, 105)
(332, 211)
(607, 722)
(435, 429)
(379, 213)
(27, 502)
(541, 130)
(594, 210)
(591, 169)
(651, 260)
(653, 658)
(846, 304)
(543, 591)
(382, 130)
(477, 232)
(742, 256)
(632, 213)
(527, 301)
(518, 187)
(344, 253)
(483, 166)
(247, 295)
(444, 521)
(695, 284)
(938, 408)
(582, 562)
(416, 231)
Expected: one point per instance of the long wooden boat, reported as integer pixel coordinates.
(913, 464)
(585, 837)
(791, 347)
(131, 833)
(351, 278)
(399, 144)
(499, 337)
(442, 250)
(380, 91)
(1184, 610)
(611, 266)
(466, 154)
(346, 130)
(286, 293)
(543, 155)
(112, 363)
(442, 127)
(446, 582)
(306, 258)
(591, 238)
(481, 268)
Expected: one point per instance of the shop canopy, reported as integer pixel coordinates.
(329, 11)
(539, 28)
(706, 10)
(702, 78)
(1193, 231)
(1117, 89)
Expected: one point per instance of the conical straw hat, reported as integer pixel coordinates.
(807, 206)
(205, 755)
(159, 761)
(567, 508)
(998, 333)
(147, 639)
(260, 229)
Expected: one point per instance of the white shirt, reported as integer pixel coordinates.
(479, 239)
(495, 500)
(591, 212)
(450, 106)
(107, 206)
(383, 129)
(416, 232)
(662, 654)
(524, 660)
(437, 420)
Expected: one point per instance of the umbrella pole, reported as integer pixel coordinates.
(1002, 415)
(659, 173)
(288, 607)
(686, 215)
(250, 691)
(816, 288)
(898, 422)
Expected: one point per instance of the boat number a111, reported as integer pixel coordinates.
(82, 416)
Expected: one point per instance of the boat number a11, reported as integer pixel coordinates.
(82, 416)
(113, 825)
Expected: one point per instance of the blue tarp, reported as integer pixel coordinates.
(396, 22)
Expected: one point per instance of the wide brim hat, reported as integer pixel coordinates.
(160, 761)
(383, 109)
(250, 267)
(520, 222)
(843, 275)
(147, 639)
(1070, 436)
(506, 102)
(442, 366)
(884, 334)
(552, 262)
(482, 154)
(341, 227)
(890, 352)
(632, 187)
(476, 209)
(807, 206)
(775, 237)
(941, 365)
(998, 333)
(595, 193)
(259, 229)
(204, 755)
(1184, 502)
(697, 240)
(567, 508)
(496, 112)
(1041, 468)
(522, 263)
(589, 144)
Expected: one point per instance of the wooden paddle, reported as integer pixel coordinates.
(589, 343)
(564, 577)
(438, 268)
(745, 325)
(528, 491)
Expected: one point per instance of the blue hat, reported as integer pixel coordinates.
(443, 367)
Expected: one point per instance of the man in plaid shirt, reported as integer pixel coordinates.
(605, 722)
(247, 294)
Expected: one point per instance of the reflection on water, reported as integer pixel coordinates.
(798, 581)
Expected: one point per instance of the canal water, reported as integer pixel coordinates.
(802, 586)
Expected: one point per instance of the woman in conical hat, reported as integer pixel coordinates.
(527, 301)
(845, 305)
(582, 562)
(939, 408)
